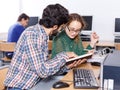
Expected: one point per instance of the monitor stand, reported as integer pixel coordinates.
(85, 37)
(117, 39)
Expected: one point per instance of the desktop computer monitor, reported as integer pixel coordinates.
(33, 20)
(117, 30)
(85, 33)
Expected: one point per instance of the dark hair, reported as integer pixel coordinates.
(77, 17)
(23, 15)
(54, 14)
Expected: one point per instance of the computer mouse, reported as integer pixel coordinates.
(60, 84)
(95, 63)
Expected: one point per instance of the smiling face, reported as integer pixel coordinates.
(74, 26)
(73, 29)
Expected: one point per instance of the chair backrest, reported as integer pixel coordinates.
(7, 46)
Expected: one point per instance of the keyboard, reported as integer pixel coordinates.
(85, 79)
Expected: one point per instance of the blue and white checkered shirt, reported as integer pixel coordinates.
(30, 61)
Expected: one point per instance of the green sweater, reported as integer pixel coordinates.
(62, 42)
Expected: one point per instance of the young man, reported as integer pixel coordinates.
(30, 61)
(16, 30)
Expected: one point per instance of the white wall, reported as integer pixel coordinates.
(103, 11)
(9, 11)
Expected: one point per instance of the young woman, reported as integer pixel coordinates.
(69, 37)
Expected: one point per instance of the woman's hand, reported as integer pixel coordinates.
(94, 39)
(71, 54)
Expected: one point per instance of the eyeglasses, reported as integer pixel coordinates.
(72, 30)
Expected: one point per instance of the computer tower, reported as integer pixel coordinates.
(110, 72)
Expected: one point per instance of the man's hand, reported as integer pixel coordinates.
(76, 63)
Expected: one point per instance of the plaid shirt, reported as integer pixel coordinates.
(30, 61)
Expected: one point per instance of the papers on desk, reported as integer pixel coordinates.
(97, 58)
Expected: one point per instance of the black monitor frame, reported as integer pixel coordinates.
(117, 25)
(33, 20)
(88, 20)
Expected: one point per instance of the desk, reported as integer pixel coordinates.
(3, 71)
(69, 76)
(101, 43)
(104, 43)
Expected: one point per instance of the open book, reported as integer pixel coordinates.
(88, 55)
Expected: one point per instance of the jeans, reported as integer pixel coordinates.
(13, 88)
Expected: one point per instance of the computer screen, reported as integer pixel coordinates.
(88, 20)
(33, 20)
(117, 24)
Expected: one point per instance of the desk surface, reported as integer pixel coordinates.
(106, 43)
(69, 76)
